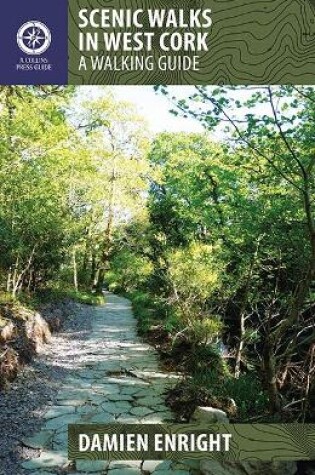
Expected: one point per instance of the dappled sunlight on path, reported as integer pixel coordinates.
(114, 377)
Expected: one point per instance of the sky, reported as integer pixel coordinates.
(153, 106)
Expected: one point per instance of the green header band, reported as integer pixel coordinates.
(199, 42)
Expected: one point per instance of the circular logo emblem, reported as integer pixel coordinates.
(34, 37)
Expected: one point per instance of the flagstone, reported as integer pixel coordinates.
(129, 390)
(57, 411)
(91, 466)
(60, 440)
(46, 459)
(117, 464)
(58, 422)
(103, 418)
(39, 441)
(73, 394)
(120, 397)
(141, 411)
(40, 472)
(149, 401)
(71, 402)
(164, 465)
(125, 471)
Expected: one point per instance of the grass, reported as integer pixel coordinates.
(5, 298)
(48, 295)
(86, 297)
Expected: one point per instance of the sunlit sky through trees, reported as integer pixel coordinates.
(154, 107)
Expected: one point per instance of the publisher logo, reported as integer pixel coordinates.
(33, 38)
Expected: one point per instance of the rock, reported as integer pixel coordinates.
(37, 331)
(150, 466)
(150, 401)
(7, 332)
(55, 324)
(152, 419)
(212, 467)
(120, 397)
(9, 366)
(209, 415)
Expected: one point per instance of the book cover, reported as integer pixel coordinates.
(157, 237)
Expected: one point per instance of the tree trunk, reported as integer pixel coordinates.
(15, 278)
(87, 253)
(17, 281)
(9, 280)
(30, 280)
(108, 232)
(271, 377)
(239, 350)
(75, 271)
(93, 271)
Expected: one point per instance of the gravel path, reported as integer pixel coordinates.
(104, 373)
(23, 405)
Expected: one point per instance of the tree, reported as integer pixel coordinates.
(34, 169)
(117, 141)
(270, 130)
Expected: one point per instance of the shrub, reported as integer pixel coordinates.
(246, 391)
(128, 272)
(195, 273)
(205, 330)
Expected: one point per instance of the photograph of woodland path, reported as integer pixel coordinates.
(157, 258)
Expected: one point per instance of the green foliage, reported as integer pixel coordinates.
(205, 363)
(128, 272)
(205, 330)
(194, 273)
(147, 310)
(247, 392)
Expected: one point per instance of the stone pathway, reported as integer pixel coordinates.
(113, 376)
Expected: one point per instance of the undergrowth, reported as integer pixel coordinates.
(206, 370)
